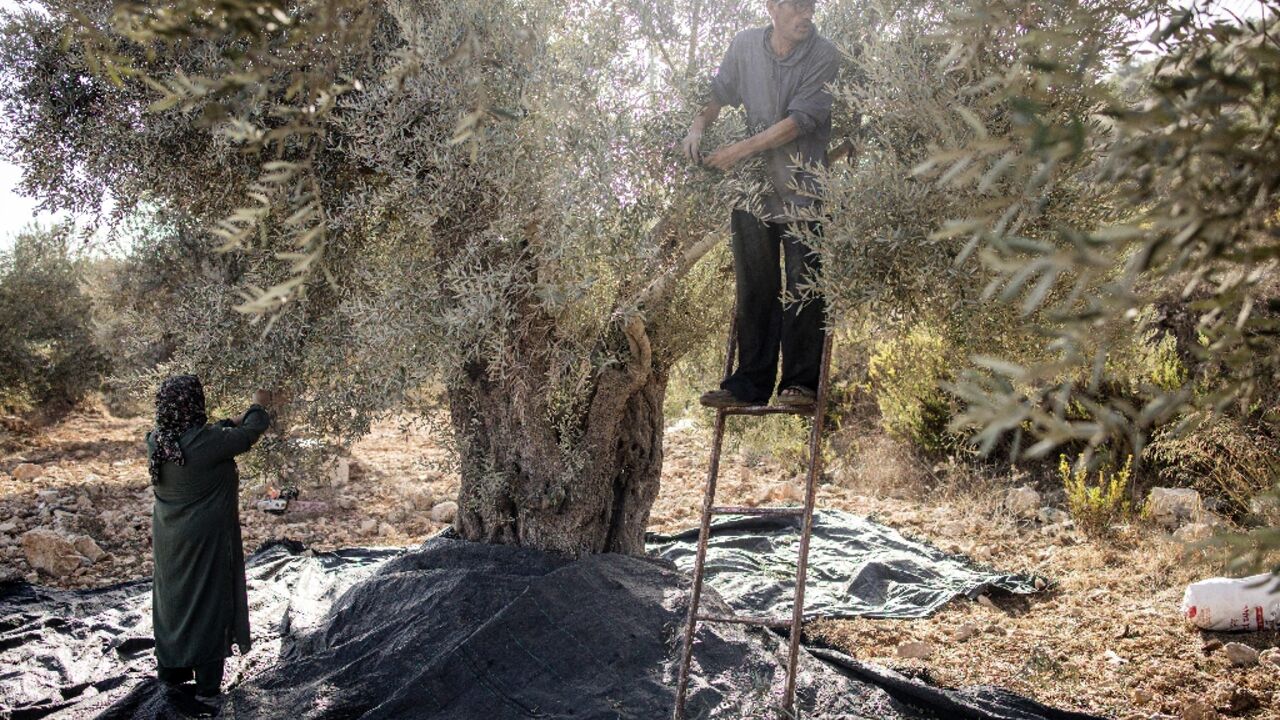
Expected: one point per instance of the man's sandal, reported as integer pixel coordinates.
(721, 399)
(797, 396)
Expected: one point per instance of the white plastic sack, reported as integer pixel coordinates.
(1234, 604)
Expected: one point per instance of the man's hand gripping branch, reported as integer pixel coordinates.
(724, 158)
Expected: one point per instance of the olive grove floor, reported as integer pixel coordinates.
(1107, 638)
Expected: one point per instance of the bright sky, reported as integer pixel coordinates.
(17, 211)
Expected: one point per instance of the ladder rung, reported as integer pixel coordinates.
(763, 511)
(746, 620)
(768, 410)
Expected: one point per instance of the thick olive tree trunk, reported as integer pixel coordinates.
(522, 485)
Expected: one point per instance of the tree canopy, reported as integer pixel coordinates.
(388, 177)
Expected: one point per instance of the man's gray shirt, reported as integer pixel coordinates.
(770, 89)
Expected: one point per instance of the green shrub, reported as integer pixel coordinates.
(48, 359)
(1096, 507)
(905, 373)
(1149, 359)
(1164, 368)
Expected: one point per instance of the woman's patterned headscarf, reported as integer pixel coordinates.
(179, 407)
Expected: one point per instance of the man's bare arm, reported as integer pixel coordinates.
(776, 135)
(701, 122)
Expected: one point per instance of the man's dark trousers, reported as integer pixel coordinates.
(763, 323)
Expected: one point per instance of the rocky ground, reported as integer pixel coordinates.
(1107, 637)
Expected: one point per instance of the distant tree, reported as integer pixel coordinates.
(134, 291)
(48, 359)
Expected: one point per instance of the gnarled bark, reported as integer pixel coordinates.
(521, 485)
(521, 482)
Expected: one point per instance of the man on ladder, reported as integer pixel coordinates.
(779, 75)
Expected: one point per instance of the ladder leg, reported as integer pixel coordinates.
(708, 501)
(695, 593)
(811, 487)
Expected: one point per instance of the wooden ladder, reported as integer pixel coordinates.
(817, 411)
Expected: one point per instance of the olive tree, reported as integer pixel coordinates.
(479, 195)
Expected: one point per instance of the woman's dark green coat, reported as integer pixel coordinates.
(199, 606)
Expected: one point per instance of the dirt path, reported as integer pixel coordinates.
(1107, 638)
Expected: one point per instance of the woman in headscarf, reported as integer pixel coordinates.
(199, 606)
